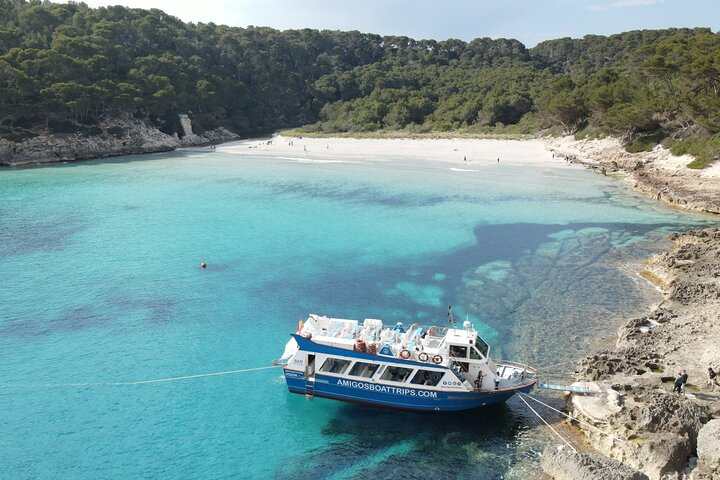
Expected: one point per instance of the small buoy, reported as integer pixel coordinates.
(203, 265)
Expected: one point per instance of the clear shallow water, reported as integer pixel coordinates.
(101, 283)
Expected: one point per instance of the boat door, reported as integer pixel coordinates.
(310, 367)
(310, 376)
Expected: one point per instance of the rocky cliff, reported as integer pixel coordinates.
(123, 135)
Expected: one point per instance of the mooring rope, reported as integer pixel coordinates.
(546, 423)
(521, 394)
(140, 382)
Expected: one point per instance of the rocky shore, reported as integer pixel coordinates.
(649, 430)
(123, 135)
(658, 433)
(657, 173)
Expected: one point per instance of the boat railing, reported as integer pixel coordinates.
(528, 369)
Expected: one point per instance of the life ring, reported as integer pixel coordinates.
(433, 331)
(437, 359)
(444, 331)
(404, 354)
(423, 357)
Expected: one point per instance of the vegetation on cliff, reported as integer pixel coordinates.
(64, 66)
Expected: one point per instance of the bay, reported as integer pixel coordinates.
(101, 284)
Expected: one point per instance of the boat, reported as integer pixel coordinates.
(415, 368)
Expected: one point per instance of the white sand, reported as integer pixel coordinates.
(450, 151)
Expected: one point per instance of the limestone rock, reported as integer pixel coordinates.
(667, 412)
(663, 453)
(561, 463)
(121, 135)
(711, 357)
(708, 447)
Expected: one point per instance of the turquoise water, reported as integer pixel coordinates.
(101, 283)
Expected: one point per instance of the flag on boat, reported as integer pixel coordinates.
(300, 325)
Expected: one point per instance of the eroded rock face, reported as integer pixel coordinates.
(123, 135)
(561, 463)
(662, 454)
(662, 432)
(667, 412)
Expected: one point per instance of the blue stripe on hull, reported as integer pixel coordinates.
(396, 397)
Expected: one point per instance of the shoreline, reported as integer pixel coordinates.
(460, 153)
(658, 174)
(660, 435)
(119, 136)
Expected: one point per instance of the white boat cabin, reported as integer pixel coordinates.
(455, 358)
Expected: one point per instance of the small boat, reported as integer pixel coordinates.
(434, 369)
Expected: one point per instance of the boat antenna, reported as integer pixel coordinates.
(451, 319)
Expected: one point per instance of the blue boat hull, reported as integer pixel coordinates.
(404, 398)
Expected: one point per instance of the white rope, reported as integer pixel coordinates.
(172, 379)
(140, 382)
(549, 426)
(573, 418)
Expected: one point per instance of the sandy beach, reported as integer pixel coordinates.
(462, 153)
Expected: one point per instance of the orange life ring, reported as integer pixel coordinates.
(404, 354)
(437, 359)
(423, 357)
(433, 331)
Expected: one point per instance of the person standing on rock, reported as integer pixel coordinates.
(678, 383)
(712, 379)
(684, 380)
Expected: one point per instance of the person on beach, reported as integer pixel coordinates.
(498, 160)
(712, 379)
(465, 159)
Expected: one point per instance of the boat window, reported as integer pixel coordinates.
(334, 365)
(427, 377)
(396, 374)
(474, 354)
(482, 346)
(457, 351)
(362, 369)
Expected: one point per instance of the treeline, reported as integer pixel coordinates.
(65, 66)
